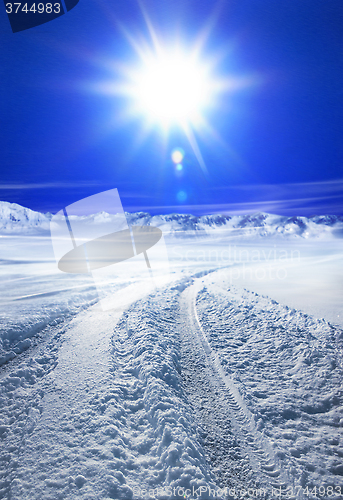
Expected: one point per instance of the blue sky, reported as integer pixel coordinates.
(279, 146)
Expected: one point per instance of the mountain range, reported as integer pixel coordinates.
(15, 219)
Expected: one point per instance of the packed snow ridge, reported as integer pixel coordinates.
(17, 219)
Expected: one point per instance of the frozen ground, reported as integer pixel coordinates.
(224, 383)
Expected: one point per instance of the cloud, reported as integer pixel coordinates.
(330, 188)
(47, 185)
(304, 198)
(282, 205)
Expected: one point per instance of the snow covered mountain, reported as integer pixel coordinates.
(17, 219)
(259, 224)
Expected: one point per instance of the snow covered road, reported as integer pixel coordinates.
(287, 368)
(231, 435)
(196, 390)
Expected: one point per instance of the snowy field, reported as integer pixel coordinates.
(225, 382)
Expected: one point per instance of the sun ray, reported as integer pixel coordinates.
(172, 86)
(193, 142)
(150, 27)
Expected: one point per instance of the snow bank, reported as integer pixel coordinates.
(288, 369)
(23, 319)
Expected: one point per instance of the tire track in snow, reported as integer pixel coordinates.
(65, 372)
(146, 361)
(230, 435)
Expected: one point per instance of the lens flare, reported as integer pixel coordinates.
(181, 196)
(177, 155)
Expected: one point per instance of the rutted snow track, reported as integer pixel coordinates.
(193, 387)
(238, 454)
(283, 369)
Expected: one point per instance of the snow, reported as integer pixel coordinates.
(224, 381)
(287, 367)
(18, 220)
(34, 295)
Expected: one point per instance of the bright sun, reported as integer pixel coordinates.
(171, 86)
(171, 89)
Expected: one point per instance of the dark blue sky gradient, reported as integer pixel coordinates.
(280, 137)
